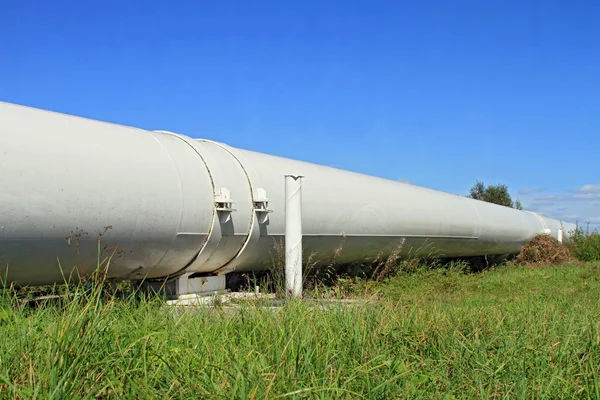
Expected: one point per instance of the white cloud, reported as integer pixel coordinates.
(587, 196)
(527, 191)
(577, 205)
(588, 189)
(578, 196)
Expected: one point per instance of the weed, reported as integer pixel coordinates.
(585, 246)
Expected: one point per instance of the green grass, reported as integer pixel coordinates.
(511, 332)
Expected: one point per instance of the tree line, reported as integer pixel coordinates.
(497, 194)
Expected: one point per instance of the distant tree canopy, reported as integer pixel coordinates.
(497, 194)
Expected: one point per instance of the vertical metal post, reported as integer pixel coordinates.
(559, 235)
(293, 235)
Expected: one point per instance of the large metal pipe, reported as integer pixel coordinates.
(167, 205)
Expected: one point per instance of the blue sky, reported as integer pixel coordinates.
(439, 93)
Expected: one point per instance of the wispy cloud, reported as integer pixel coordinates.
(575, 205)
(587, 196)
(588, 189)
(527, 191)
(587, 192)
(578, 197)
(545, 203)
(569, 216)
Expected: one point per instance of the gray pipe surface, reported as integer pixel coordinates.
(76, 192)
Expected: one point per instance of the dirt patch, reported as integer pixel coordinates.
(544, 250)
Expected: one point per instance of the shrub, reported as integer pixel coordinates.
(585, 246)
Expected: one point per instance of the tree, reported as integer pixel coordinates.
(497, 194)
(518, 204)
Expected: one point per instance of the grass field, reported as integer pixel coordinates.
(511, 332)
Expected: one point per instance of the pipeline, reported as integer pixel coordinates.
(76, 191)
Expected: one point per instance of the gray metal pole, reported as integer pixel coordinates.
(293, 235)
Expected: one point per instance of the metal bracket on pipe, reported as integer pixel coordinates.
(261, 204)
(224, 204)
